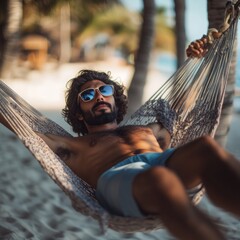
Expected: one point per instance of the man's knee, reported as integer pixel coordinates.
(205, 141)
(208, 147)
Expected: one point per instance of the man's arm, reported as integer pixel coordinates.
(48, 138)
(58, 144)
(196, 49)
(51, 140)
(162, 135)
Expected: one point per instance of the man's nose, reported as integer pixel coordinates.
(99, 96)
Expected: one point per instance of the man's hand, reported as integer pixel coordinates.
(197, 48)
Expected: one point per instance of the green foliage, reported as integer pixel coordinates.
(44, 6)
(124, 29)
(90, 17)
(83, 12)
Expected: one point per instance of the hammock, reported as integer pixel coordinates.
(188, 105)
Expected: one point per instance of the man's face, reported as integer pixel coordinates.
(101, 109)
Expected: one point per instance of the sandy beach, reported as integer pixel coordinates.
(32, 206)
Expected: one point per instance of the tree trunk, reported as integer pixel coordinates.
(136, 89)
(3, 24)
(180, 31)
(11, 34)
(65, 34)
(216, 10)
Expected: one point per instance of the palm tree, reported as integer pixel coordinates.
(11, 14)
(11, 35)
(3, 24)
(135, 92)
(180, 31)
(11, 29)
(65, 33)
(122, 31)
(216, 10)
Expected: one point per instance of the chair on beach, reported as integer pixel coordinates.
(188, 105)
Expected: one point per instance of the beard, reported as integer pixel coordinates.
(103, 118)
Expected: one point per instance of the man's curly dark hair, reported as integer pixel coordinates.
(72, 108)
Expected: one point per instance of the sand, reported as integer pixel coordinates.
(32, 206)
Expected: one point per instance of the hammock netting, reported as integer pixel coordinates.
(188, 105)
(190, 102)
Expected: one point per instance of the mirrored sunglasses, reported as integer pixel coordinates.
(89, 93)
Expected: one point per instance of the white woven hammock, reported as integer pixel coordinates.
(188, 105)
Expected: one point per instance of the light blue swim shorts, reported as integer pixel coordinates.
(114, 187)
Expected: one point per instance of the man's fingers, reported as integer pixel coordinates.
(204, 40)
(197, 48)
(198, 45)
(194, 50)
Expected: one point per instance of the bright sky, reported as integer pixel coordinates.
(196, 14)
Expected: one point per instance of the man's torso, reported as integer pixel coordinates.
(91, 155)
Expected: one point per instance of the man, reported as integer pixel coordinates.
(132, 169)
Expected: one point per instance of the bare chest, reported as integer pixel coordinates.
(90, 156)
(117, 145)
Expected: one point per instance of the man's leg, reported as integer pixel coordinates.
(203, 160)
(160, 192)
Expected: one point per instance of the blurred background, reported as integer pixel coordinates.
(44, 43)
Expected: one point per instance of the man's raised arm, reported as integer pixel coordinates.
(55, 142)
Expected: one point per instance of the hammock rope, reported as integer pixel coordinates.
(188, 105)
(195, 91)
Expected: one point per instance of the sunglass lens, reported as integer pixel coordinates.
(106, 90)
(88, 95)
